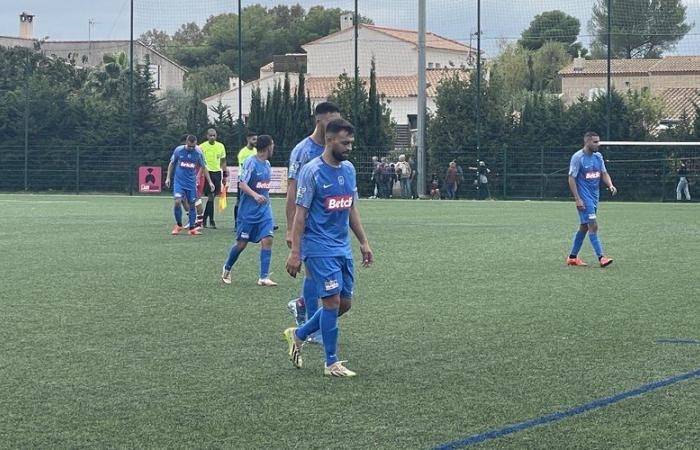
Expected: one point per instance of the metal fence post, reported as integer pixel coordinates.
(77, 170)
(541, 173)
(505, 172)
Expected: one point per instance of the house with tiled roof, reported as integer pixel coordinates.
(395, 53)
(165, 73)
(674, 79)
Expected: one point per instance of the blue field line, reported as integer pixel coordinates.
(678, 341)
(595, 404)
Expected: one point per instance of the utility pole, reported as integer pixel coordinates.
(422, 101)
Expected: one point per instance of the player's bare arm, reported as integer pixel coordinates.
(208, 178)
(574, 191)
(169, 175)
(260, 199)
(290, 209)
(608, 181)
(359, 231)
(297, 231)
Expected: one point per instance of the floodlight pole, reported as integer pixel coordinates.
(131, 99)
(240, 76)
(422, 101)
(608, 91)
(356, 94)
(478, 80)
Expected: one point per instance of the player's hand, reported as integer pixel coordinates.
(293, 264)
(613, 190)
(260, 199)
(167, 183)
(367, 255)
(212, 187)
(579, 205)
(288, 238)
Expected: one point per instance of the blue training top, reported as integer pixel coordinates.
(256, 174)
(328, 193)
(186, 164)
(305, 151)
(587, 170)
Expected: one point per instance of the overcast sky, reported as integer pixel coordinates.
(456, 19)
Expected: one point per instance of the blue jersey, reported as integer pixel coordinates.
(305, 151)
(328, 193)
(587, 170)
(187, 163)
(257, 174)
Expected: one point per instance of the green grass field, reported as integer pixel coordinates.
(116, 334)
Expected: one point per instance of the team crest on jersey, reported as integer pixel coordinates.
(187, 165)
(341, 180)
(338, 202)
(592, 175)
(263, 185)
(331, 284)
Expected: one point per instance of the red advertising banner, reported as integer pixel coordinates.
(149, 179)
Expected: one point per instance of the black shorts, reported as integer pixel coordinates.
(216, 179)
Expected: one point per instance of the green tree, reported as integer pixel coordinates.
(208, 80)
(156, 39)
(640, 28)
(553, 26)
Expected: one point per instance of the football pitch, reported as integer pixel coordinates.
(116, 334)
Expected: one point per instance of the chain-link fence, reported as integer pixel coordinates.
(80, 119)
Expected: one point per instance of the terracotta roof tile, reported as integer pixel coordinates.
(679, 100)
(390, 86)
(674, 64)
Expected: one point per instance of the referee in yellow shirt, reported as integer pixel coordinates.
(246, 152)
(215, 158)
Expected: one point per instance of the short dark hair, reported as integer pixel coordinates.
(264, 141)
(590, 134)
(325, 108)
(250, 134)
(337, 125)
(183, 139)
(191, 139)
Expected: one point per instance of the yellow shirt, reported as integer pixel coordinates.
(244, 154)
(213, 154)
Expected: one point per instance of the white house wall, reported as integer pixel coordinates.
(335, 55)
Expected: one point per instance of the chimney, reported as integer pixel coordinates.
(346, 21)
(26, 23)
(233, 83)
(579, 63)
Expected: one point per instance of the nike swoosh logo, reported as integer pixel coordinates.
(326, 186)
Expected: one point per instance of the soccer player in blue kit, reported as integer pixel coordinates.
(254, 222)
(186, 162)
(325, 208)
(309, 148)
(585, 172)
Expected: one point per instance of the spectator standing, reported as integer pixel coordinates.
(414, 172)
(682, 187)
(403, 172)
(452, 181)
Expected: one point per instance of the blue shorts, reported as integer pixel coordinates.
(332, 275)
(254, 232)
(588, 214)
(179, 192)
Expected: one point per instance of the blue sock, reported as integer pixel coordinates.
(310, 294)
(578, 242)
(596, 244)
(311, 326)
(265, 258)
(178, 215)
(232, 257)
(192, 214)
(329, 331)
